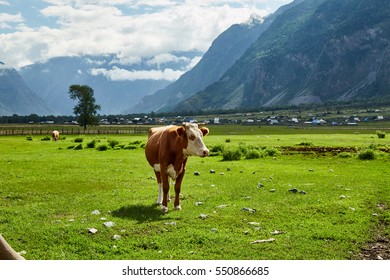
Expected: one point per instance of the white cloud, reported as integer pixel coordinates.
(6, 19)
(166, 58)
(129, 28)
(119, 74)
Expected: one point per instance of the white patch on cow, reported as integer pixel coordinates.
(195, 146)
(160, 194)
(171, 172)
(157, 167)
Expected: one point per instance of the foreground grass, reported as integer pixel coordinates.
(48, 192)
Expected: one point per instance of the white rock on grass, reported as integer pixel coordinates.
(93, 230)
(276, 232)
(117, 237)
(263, 241)
(95, 212)
(109, 224)
(203, 216)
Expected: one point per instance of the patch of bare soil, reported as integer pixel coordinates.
(379, 249)
(317, 149)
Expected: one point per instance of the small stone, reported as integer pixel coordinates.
(260, 185)
(254, 223)
(95, 212)
(246, 232)
(170, 223)
(109, 224)
(331, 170)
(196, 173)
(203, 216)
(294, 190)
(214, 230)
(302, 192)
(272, 190)
(375, 214)
(276, 232)
(212, 171)
(116, 237)
(249, 210)
(103, 218)
(198, 203)
(263, 241)
(228, 169)
(222, 206)
(93, 230)
(222, 173)
(71, 220)
(311, 169)
(342, 197)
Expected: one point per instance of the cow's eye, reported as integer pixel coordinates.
(192, 137)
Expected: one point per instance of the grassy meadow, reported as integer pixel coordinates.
(49, 190)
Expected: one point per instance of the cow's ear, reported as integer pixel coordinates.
(181, 131)
(204, 130)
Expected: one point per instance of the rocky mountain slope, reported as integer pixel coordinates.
(316, 51)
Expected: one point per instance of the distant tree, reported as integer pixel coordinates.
(86, 109)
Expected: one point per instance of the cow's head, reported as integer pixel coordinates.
(194, 135)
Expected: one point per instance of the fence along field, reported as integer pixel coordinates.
(280, 205)
(69, 130)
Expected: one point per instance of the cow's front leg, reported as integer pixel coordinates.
(160, 190)
(165, 189)
(179, 179)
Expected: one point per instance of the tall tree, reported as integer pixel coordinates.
(86, 109)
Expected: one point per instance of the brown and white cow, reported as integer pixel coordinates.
(167, 150)
(55, 135)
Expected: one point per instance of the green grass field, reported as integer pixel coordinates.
(48, 191)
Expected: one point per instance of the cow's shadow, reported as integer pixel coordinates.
(140, 213)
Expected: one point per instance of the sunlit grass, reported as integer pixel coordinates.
(48, 192)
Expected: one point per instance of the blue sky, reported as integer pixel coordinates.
(36, 30)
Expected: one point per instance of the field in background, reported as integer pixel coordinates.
(49, 190)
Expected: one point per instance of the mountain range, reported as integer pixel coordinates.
(316, 51)
(117, 84)
(16, 97)
(309, 51)
(229, 46)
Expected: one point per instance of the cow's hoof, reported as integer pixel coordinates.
(164, 209)
(178, 207)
